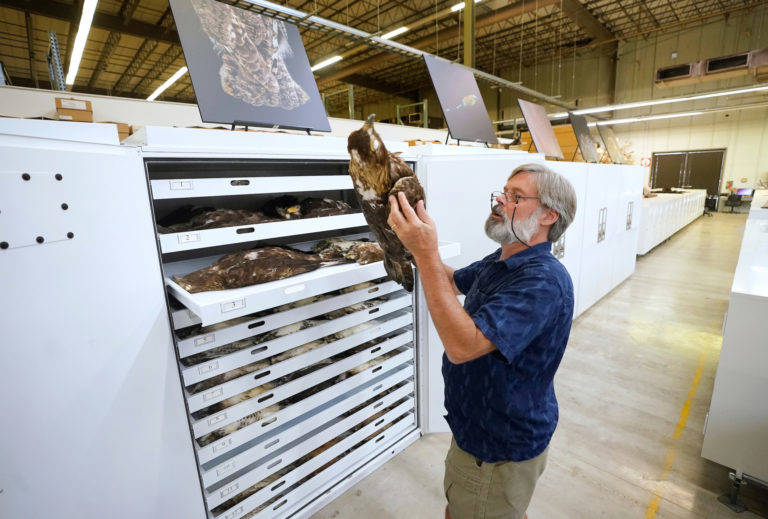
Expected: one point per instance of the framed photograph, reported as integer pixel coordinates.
(247, 68)
(460, 100)
(611, 144)
(583, 137)
(540, 129)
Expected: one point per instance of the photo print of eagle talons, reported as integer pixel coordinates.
(376, 174)
(252, 49)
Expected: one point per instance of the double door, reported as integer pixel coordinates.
(701, 169)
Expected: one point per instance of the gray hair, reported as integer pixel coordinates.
(556, 193)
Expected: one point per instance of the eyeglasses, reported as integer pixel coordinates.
(509, 197)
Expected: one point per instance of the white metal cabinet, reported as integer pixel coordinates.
(736, 433)
(568, 248)
(458, 189)
(628, 220)
(90, 378)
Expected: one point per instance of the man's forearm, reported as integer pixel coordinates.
(455, 327)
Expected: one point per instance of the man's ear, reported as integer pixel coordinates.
(549, 217)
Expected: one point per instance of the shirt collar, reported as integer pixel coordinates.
(524, 255)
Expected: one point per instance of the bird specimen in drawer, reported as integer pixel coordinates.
(376, 174)
(371, 363)
(215, 353)
(363, 252)
(299, 350)
(357, 307)
(239, 424)
(234, 400)
(226, 377)
(318, 207)
(252, 267)
(216, 219)
(285, 207)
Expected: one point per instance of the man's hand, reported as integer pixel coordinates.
(415, 229)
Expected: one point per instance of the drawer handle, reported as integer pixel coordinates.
(244, 230)
(240, 182)
(255, 325)
(275, 464)
(378, 368)
(259, 350)
(373, 310)
(272, 443)
(378, 404)
(277, 486)
(267, 397)
(378, 387)
(377, 348)
(278, 505)
(379, 423)
(373, 289)
(380, 438)
(270, 421)
(262, 374)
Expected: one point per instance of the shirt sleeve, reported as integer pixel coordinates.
(464, 277)
(515, 315)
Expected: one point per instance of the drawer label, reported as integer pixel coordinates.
(228, 490)
(226, 468)
(212, 394)
(216, 419)
(232, 305)
(205, 340)
(208, 368)
(189, 237)
(237, 512)
(177, 185)
(222, 444)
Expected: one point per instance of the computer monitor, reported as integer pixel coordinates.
(745, 191)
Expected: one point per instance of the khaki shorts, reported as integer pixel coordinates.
(489, 490)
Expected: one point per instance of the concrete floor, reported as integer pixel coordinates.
(634, 388)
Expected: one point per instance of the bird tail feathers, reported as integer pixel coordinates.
(400, 272)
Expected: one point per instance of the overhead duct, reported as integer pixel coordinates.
(713, 69)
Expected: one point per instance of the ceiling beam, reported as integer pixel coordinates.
(126, 13)
(384, 87)
(491, 18)
(145, 49)
(581, 16)
(101, 20)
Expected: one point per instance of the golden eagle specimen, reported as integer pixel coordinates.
(377, 174)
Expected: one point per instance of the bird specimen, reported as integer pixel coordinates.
(318, 207)
(217, 218)
(239, 424)
(376, 174)
(363, 252)
(252, 267)
(285, 207)
(264, 264)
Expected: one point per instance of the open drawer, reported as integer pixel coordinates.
(163, 189)
(221, 305)
(192, 240)
(200, 339)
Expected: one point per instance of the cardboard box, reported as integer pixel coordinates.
(123, 130)
(71, 109)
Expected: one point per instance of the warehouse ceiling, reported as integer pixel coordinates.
(133, 45)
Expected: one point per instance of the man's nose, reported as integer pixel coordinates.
(501, 199)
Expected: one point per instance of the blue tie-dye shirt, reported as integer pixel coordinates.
(502, 406)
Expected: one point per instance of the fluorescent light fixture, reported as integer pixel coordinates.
(89, 7)
(329, 61)
(638, 104)
(459, 6)
(171, 80)
(644, 119)
(396, 32)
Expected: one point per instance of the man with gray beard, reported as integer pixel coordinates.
(503, 347)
